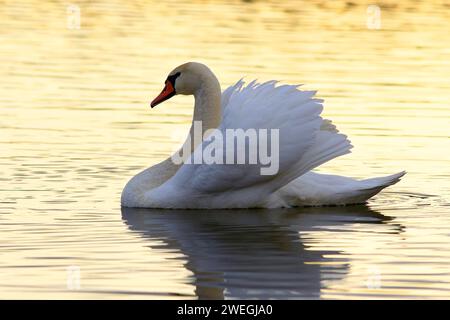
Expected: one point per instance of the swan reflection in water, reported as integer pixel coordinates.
(244, 254)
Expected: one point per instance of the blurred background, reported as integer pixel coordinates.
(75, 124)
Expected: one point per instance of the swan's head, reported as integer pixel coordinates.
(185, 79)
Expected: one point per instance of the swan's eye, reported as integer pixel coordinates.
(172, 78)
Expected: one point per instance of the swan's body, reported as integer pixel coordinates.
(305, 142)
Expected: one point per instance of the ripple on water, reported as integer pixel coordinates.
(76, 126)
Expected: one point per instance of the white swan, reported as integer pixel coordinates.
(305, 142)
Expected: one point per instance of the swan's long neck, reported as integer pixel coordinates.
(207, 107)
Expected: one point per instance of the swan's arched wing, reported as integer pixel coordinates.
(294, 113)
(228, 92)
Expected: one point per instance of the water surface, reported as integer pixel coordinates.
(76, 125)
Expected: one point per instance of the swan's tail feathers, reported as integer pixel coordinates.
(380, 182)
(317, 189)
(366, 189)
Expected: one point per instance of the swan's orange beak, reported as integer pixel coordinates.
(167, 93)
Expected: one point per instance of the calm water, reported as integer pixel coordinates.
(76, 125)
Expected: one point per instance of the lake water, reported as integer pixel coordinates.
(76, 125)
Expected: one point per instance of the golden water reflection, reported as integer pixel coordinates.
(76, 125)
